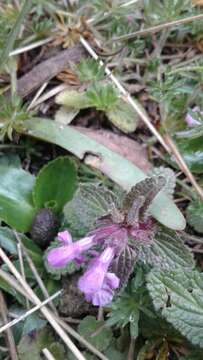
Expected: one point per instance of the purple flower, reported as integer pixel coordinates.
(191, 122)
(60, 256)
(97, 283)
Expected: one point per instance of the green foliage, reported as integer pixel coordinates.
(102, 97)
(195, 215)
(167, 251)
(89, 70)
(73, 99)
(162, 11)
(32, 346)
(113, 165)
(169, 176)
(125, 310)
(123, 116)
(192, 152)
(177, 295)
(55, 184)
(95, 332)
(16, 207)
(90, 202)
(8, 45)
(12, 116)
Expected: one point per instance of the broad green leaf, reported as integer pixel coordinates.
(16, 207)
(178, 295)
(110, 163)
(167, 251)
(195, 215)
(55, 183)
(123, 116)
(95, 332)
(90, 202)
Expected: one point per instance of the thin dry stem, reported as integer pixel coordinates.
(157, 28)
(48, 355)
(8, 325)
(35, 272)
(183, 166)
(126, 96)
(45, 311)
(63, 324)
(22, 269)
(9, 334)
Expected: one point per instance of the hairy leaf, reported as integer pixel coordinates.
(169, 176)
(73, 99)
(167, 251)
(123, 116)
(90, 202)
(178, 296)
(148, 188)
(123, 264)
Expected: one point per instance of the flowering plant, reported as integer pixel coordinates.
(110, 249)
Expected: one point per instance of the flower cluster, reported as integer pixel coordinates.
(98, 250)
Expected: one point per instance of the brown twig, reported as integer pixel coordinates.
(48, 69)
(9, 334)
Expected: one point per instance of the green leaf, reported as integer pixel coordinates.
(123, 116)
(10, 290)
(178, 296)
(169, 176)
(195, 215)
(192, 152)
(167, 251)
(90, 202)
(16, 207)
(73, 99)
(32, 346)
(102, 97)
(90, 70)
(110, 163)
(95, 332)
(55, 183)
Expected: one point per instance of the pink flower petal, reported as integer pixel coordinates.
(65, 237)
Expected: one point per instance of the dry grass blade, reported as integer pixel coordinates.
(35, 272)
(22, 270)
(183, 166)
(8, 325)
(46, 312)
(47, 354)
(11, 281)
(157, 28)
(9, 334)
